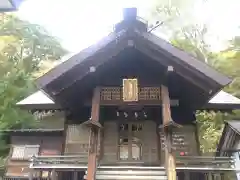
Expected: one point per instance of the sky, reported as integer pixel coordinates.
(80, 23)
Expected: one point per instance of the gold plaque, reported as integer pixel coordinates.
(130, 90)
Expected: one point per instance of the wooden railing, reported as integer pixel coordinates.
(205, 163)
(54, 162)
(191, 163)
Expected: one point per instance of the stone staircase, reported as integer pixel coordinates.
(138, 173)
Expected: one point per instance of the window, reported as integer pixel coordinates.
(123, 127)
(136, 127)
(129, 146)
(22, 152)
(136, 151)
(123, 149)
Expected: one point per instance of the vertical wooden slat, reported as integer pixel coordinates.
(210, 176)
(93, 141)
(111, 141)
(130, 141)
(54, 175)
(31, 174)
(170, 162)
(75, 175)
(186, 175)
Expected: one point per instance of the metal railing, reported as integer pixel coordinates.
(205, 163)
(58, 162)
(191, 163)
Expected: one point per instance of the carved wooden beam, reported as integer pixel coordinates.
(94, 131)
(170, 161)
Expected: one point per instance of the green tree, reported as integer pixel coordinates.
(192, 38)
(23, 49)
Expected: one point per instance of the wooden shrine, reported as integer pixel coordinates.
(123, 108)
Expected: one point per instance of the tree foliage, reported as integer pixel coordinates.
(23, 49)
(191, 37)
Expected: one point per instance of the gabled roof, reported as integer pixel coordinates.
(235, 125)
(223, 101)
(230, 135)
(39, 100)
(78, 66)
(163, 47)
(224, 97)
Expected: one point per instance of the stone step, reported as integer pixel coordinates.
(130, 174)
(116, 177)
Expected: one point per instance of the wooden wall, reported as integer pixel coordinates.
(51, 146)
(184, 141)
(110, 142)
(48, 145)
(77, 140)
(152, 141)
(54, 120)
(147, 136)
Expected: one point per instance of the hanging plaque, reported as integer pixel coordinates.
(130, 90)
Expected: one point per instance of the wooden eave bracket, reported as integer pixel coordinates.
(170, 124)
(91, 123)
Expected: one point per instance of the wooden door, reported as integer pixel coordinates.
(130, 141)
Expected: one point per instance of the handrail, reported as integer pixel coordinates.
(201, 163)
(58, 156)
(204, 157)
(57, 160)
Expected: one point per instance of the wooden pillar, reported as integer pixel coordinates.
(210, 177)
(186, 175)
(30, 177)
(54, 175)
(93, 140)
(170, 162)
(75, 175)
(221, 176)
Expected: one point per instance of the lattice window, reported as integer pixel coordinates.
(150, 93)
(137, 127)
(111, 93)
(129, 144)
(22, 152)
(143, 93)
(135, 148)
(154, 93)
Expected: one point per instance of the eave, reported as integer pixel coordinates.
(223, 101)
(227, 141)
(32, 132)
(40, 101)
